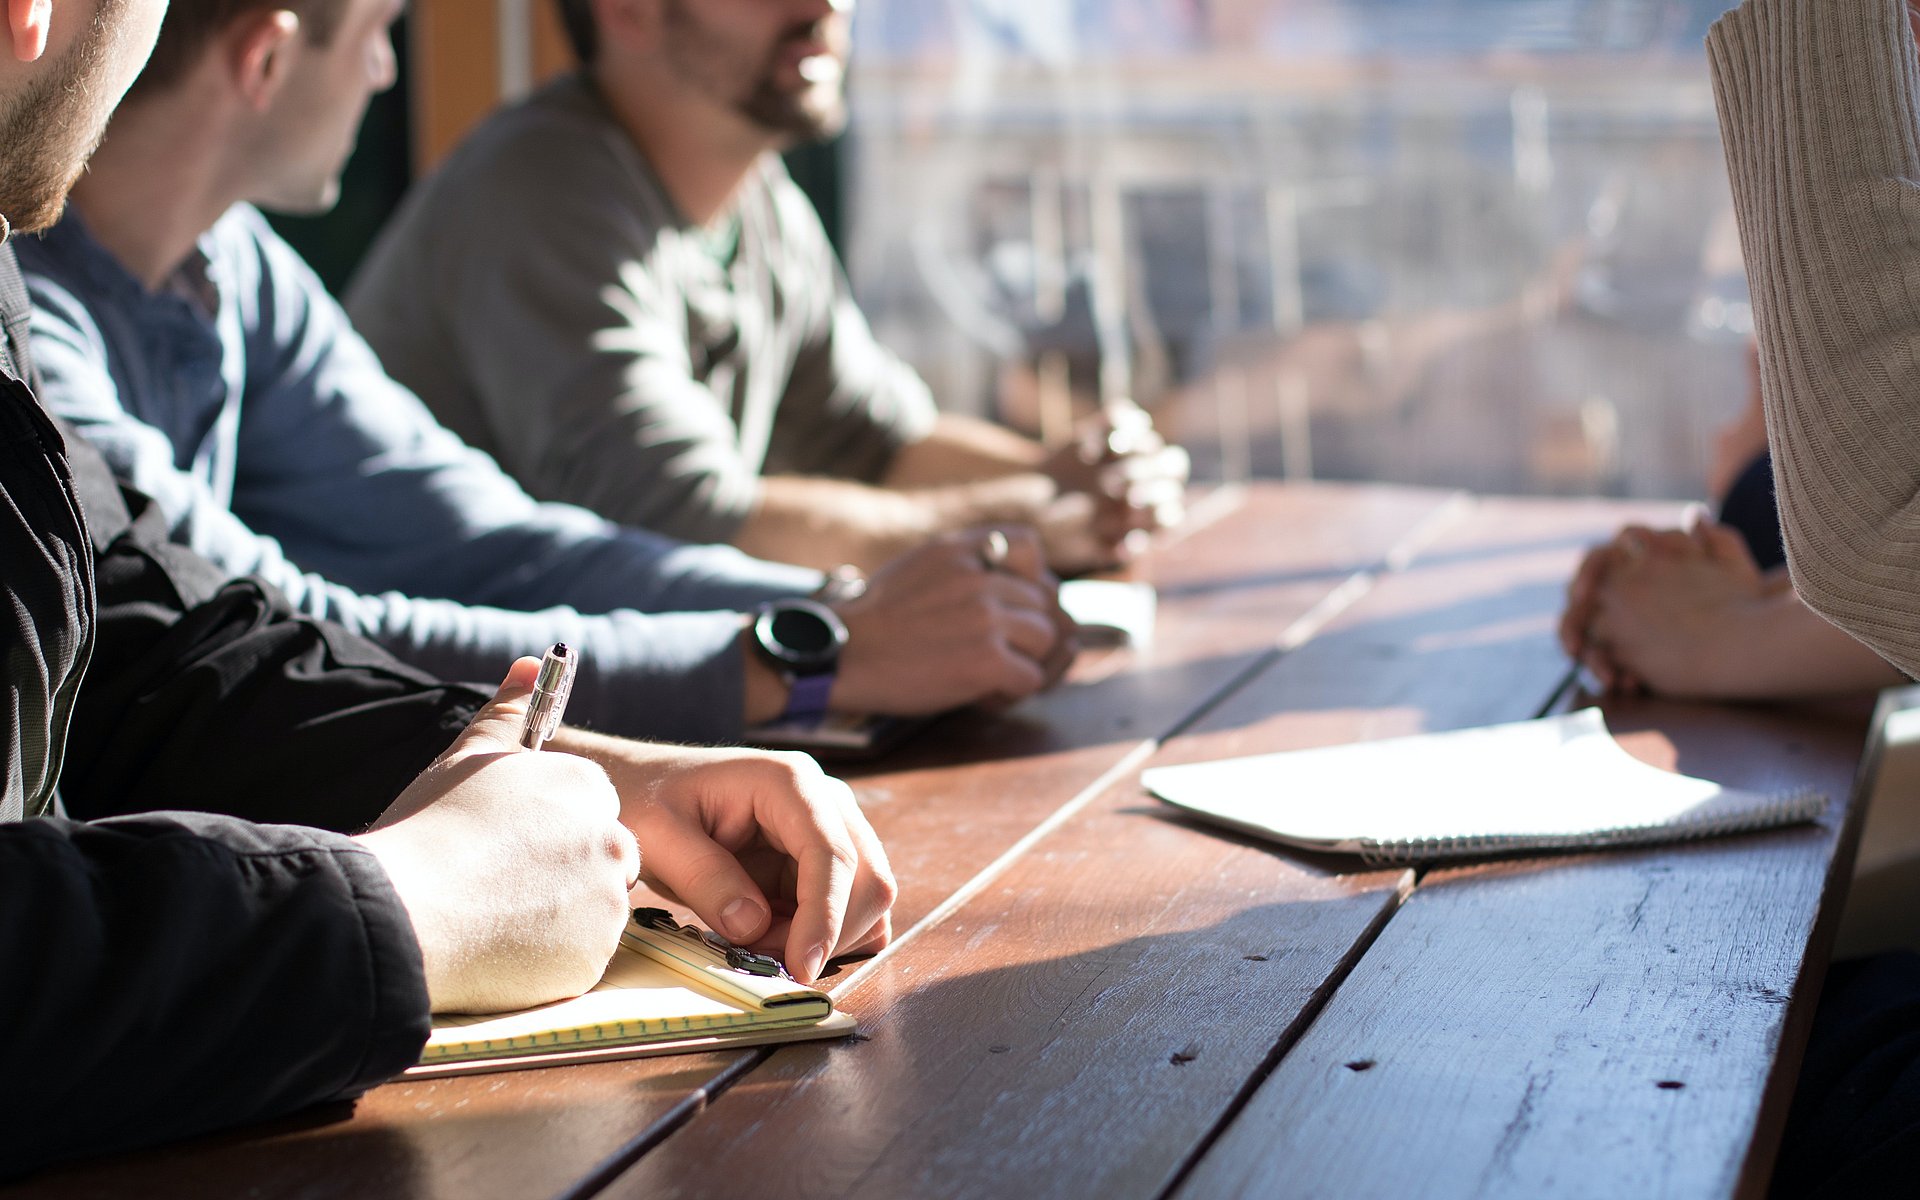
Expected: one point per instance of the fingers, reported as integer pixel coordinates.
(1023, 557)
(496, 727)
(843, 884)
(1582, 591)
(768, 851)
(515, 876)
(1149, 477)
(1084, 531)
(1726, 544)
(1032, 634)
(1632, 543)
(1007, 676)
(689, 864)
(973, 617)
(1119, 456)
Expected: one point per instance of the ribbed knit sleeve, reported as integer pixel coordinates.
(1818, 111)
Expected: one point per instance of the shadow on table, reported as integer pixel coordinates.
(522, 1133)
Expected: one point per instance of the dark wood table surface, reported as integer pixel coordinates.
(1092, 997)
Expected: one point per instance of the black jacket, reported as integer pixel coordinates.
(173, 971)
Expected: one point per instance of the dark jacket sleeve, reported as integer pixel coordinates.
(208, 693)
(171, 973)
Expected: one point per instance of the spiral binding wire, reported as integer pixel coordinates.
(1787, 808)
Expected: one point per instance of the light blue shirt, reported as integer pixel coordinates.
(241, 399)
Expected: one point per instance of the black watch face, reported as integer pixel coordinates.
(805, 637)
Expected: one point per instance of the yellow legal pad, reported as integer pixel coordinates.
(663, 993)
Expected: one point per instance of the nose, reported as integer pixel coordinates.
(382, 69)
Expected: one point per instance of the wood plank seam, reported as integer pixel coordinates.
(696, 1102)
(1756, 1173)
(1298, 633)
(1310, 1012)
(1397, 558)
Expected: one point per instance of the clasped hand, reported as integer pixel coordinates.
(1118, 480)
(1657, 609)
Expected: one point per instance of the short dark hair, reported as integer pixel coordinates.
(576, 17)
(191, 25)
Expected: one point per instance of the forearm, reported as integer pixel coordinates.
(1806, 656)
(1817, 104)
(171, 974)
(823, 523)
(963, 450)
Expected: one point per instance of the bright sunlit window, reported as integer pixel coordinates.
(1483, 243)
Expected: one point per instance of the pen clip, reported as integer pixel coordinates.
(744, 961)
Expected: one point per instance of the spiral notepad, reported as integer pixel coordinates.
(662, 993)
(1558, 783)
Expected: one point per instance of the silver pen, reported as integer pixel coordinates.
(549, 700)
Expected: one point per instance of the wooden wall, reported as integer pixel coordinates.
(467, 56)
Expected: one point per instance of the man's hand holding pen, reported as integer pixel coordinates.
(517, 869)
(514, 868)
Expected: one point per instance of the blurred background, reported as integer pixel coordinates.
(1483, 243)
(1478, 243)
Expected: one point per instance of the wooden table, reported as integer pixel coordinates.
(1091, 997)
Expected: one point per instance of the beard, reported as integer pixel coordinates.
(52, 126)
(705, 60)
(813, 114)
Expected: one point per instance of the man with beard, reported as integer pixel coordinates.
(615, 289)
(214, 953)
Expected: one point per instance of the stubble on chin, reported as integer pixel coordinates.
(812, 115)
(34, 175)
(51, 128)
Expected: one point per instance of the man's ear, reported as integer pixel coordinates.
(27, 24)
(258, 48)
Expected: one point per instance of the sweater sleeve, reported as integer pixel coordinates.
(670, 675)
(173, 973)
(1818, 111)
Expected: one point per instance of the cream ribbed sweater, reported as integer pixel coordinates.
(1820, 111)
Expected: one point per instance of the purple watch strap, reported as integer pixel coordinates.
(807, 700)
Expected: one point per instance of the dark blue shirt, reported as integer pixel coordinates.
(240, 398)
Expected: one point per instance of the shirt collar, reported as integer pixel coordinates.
(195, 281)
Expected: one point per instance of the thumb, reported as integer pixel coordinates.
(495, 728)
(709, 880)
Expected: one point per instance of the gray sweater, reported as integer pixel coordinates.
(545, 297)
(1820, 111)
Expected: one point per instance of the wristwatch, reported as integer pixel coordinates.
(802, 639)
